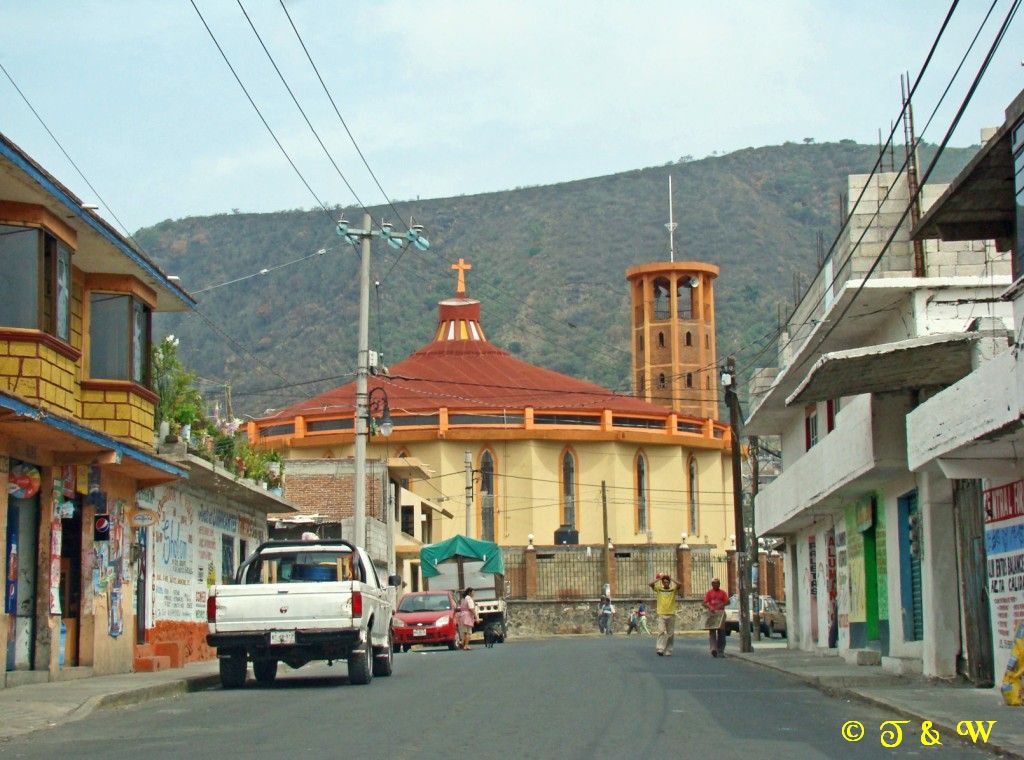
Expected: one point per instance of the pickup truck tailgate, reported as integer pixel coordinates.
(283, 606)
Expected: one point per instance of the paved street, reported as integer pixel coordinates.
(561, 698)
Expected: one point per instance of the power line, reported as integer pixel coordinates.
(299, 106)
(348, 131)
(931, 167)
(838, 270)
(259, 113)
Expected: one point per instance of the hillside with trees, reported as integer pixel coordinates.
(548, 266)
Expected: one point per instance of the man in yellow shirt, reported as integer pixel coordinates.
(665, 595)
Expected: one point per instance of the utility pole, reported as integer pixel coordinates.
(733, 401)
(468, 461)
(362, 372)
(363, 237)
(754, 544)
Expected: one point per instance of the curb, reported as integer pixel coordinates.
(149, 693)
(902, 711)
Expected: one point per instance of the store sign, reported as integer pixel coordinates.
(1004, 554)
(144, 518)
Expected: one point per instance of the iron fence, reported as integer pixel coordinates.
(704, 567)
(515, 572)
(578, 573)
(635, 569)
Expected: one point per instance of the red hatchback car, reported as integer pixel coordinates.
(425, 617)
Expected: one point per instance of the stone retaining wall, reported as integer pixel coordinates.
(545, 618)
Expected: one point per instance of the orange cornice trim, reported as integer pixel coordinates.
(33, 215)
(121, 283)
(38, 336)
(126, 386)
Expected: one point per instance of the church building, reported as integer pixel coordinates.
(552, 459)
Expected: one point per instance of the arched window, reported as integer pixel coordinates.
(640, 342)
(689, 339)
(661, 299)
(568, 488)
(487, 496)
(661, 380)
(642, 488)
(689, 379)
(661, 340)
(707, 383)
(707, 341)
(692, 493)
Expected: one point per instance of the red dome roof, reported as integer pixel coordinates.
(462, 369)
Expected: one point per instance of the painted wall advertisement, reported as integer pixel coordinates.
(1004, 551)
(188, 551)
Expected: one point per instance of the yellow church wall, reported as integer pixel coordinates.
(528, 488)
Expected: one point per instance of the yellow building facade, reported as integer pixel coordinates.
(76, 427)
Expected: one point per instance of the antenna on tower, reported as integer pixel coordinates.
(671, 226)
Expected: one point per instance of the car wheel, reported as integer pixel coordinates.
(383, 659)
(232, 671)
(360, 667)
(771, 630)
(406, 647)
(265, 670)
(452, 644)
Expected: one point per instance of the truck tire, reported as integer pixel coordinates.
(383, 659)
(265, 670)
(360, 667)
(232, 671)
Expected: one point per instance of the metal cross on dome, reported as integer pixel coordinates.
(462, 267)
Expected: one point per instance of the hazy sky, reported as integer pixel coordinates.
(452, 96)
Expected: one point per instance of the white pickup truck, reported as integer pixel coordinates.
(299, 601)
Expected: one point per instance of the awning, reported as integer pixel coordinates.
(915, 363)
(409, 467)
(209, 477)
(979, 203)
(58, 440)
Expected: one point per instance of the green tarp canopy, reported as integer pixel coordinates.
(471, 548)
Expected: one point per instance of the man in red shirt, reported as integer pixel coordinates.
(715, 600)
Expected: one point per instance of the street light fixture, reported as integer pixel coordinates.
(379, 412)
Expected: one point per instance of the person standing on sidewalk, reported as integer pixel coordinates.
(715, 600)
(665, 595)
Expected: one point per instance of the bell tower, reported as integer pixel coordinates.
(673, 336)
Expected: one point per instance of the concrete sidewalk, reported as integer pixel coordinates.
(32, 707)
(905, 697)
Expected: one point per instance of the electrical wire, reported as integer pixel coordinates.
(259, 113)
(924, 179)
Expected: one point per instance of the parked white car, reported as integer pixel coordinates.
(773, 617)
(299, 601)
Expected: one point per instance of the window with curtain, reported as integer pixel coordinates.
(569, 489)
(487, 496)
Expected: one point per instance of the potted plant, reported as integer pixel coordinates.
(184, 415)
